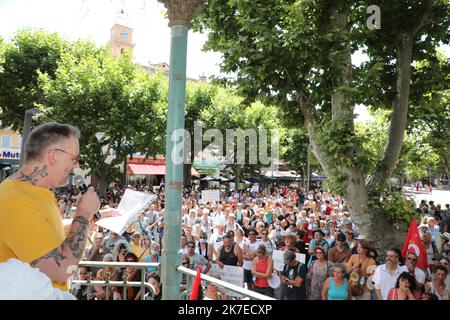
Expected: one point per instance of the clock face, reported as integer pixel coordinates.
(124, 35)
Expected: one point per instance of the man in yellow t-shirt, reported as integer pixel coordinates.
(31, 229)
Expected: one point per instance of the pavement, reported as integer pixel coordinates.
(438, 196)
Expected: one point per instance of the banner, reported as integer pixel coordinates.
(278, 259)
(230, 274)
(210, 195)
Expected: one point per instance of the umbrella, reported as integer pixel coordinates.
(221, 179)
(207, 178)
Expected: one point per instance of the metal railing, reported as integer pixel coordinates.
(107, 283)
(232, 287)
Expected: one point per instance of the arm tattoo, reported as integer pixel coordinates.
(32, 177)
(77, 236)
(75, 241)
(54, 254)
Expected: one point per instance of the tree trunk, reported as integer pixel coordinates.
(102, 183)
(399, 114)
(446, 166)
(237, 177)
(187, 174)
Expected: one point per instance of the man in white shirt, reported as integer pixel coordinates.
(248, 254)
(152, 216)
(216, 240)
(386, 275)
(218, 217)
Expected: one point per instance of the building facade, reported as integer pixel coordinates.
(121, 40)
(10, 143)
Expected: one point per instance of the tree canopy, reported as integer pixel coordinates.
(297, 54)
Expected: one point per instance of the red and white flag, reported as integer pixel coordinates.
(413, 243)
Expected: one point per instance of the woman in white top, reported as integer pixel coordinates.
(239, 238)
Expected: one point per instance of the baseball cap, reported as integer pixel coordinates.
(288, 256)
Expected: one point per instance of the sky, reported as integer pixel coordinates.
(93, 19)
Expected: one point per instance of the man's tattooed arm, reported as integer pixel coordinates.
(54, 254)
(77, 236)
(56, 264)
(33, 176)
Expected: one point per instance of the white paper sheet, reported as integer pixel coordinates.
(129, 207)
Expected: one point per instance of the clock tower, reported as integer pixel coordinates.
(121, 40)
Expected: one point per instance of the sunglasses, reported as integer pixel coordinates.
(83, 273)
(412, 259)
(185, 263)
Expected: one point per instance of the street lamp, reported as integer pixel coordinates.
(26, 130)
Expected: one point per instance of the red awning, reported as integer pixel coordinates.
(152, 169)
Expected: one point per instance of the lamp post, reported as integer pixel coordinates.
(180, 13)
(26, 130)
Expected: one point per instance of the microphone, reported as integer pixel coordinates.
(79, 182)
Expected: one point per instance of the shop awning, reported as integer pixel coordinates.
(152, 169)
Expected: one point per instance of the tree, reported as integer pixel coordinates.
(230, 112)
(199, 96)
(20, 60)
(109, 95)
(297, 54)
(297, 145)
(431, 110)
(416, 153)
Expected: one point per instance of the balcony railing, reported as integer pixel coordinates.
(107, 283)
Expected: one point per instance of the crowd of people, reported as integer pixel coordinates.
(305, 239)
(244, 229)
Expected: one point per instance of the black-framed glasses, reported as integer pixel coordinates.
(185, 263)
(75, 159)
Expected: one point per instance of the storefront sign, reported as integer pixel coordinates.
(7, 153)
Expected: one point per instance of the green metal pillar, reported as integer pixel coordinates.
(174, 171)
(180, 13)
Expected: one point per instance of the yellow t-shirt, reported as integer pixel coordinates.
(30, 223)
